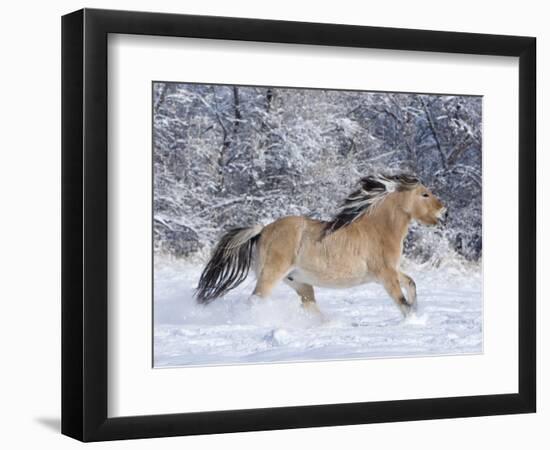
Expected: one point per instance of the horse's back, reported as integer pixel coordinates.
(290, 229)
(281, 239)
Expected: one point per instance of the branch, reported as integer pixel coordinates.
(431, 124)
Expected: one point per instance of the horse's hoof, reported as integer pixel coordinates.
(316, 313)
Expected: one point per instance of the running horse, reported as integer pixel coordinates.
(362, 243)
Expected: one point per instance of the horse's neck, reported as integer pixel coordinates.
(390, 221)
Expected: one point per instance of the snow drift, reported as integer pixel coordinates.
(360, 322)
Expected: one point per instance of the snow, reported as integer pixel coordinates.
(360, 322)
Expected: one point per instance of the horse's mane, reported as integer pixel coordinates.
(372, 190)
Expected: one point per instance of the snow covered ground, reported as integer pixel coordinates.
(361, 322)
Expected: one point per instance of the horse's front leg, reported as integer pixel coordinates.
(390, 280)
(410, 286)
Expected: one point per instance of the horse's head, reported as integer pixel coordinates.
(403, 191)
(424, 207)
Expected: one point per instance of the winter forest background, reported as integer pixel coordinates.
(227, 156)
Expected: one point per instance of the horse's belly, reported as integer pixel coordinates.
(331, 280)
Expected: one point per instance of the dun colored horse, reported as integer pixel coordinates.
(361, 244)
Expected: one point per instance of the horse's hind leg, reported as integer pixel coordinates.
(306, 293)
(267, 280)
(273, 270)
(410, 286)
(275, 256)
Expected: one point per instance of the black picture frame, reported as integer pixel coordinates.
(84, 224)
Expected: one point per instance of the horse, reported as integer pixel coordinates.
(362, 243)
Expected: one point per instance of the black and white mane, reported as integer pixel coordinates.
(373, 189)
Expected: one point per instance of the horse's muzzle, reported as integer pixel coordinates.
(443, 216)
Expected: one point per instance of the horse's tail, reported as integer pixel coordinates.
(229, 265)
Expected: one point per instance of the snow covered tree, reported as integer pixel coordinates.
(228, 156)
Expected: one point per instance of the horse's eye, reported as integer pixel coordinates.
(425, 194)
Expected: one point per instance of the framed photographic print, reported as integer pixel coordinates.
(273, 224)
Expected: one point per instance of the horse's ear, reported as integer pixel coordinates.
(407, 181)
